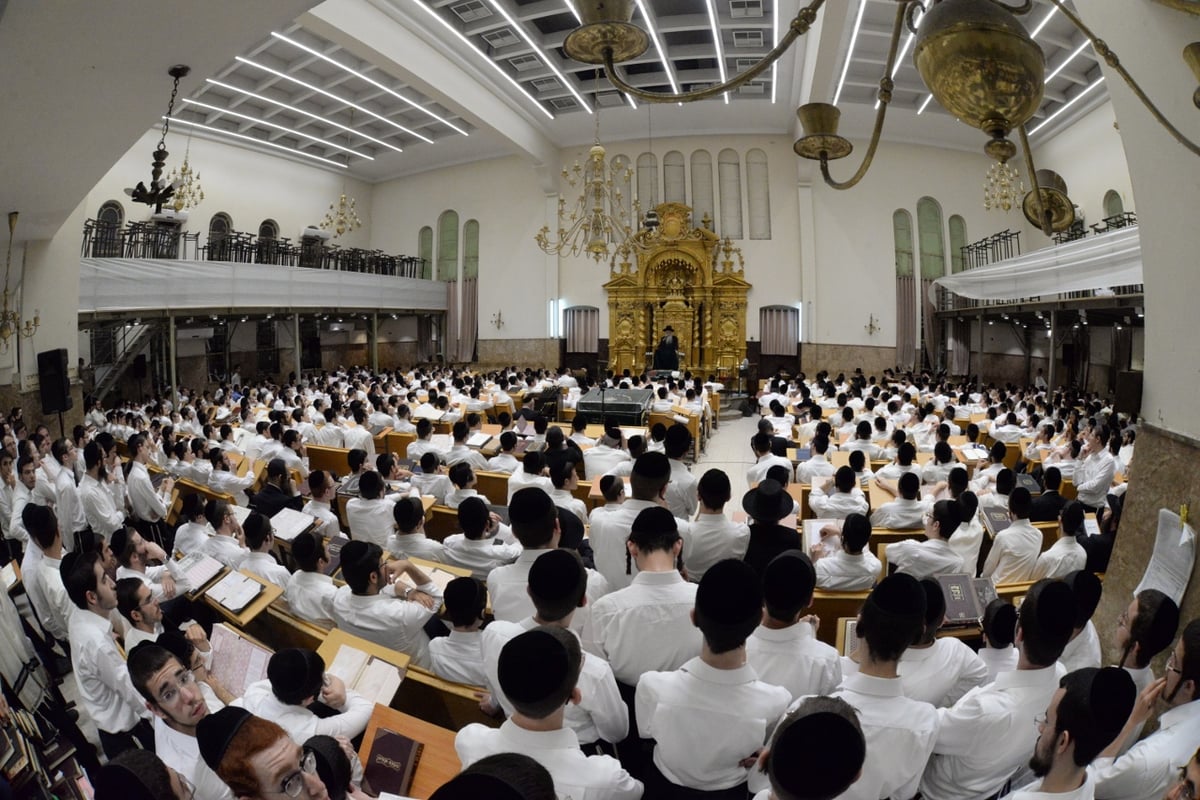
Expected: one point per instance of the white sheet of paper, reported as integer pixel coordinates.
(1172, 559)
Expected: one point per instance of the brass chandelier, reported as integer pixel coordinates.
(975, 57)
(10, 318)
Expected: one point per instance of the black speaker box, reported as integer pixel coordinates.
(52, 377)
(1129, 393)
(139, 367)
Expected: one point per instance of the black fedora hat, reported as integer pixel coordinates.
(768, 503)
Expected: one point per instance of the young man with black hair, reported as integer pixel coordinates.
(47, 592)
(134, 555)
(478, 548)
(1015, 549)
(905, 463)
(105, 691)
(933, 556)
(370, 516)
(539, 671)
(370, 605)
(322, 490)
(532, 473)
(799, 771)
(505, 461)
(459, 656)
(936, 670)
(714, 537)
(1085, 714)
(356, 462)
(224, 479)
(999, 628)
(906, 509)
(852, 567)
(784, 649)
(95, 494)
(840, 497)
(460, 452)
(612, 489)
(433, 478)
(408, 513)
(296, 679)
(1066, 555)
(609, 533)
(711, 717)
(309, 592)
(260, 540)
(228, 542)
(1083, 648)
(681, 491)
(172, 694)
(1049, 503)
(817, 466)
(149, 504)
(463, 478)
(558, 586)
(760, 445)
(277, 493)
(645, 626)
(1147, 769)
(983, 738)
(1144, 630)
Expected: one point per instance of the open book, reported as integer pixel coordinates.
(372, 677)
(439, 576)
(290, 523)
(478, 439)
(237, 662)
(235, 591)
(199, 568)
(812, 535)
(8, 573)
(241, 513)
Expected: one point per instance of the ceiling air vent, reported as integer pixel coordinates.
(743, 9)
(471, 10)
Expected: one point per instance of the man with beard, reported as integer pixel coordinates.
(1086, 713)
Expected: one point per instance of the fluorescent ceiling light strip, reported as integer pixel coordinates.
(517, 84)
(369, 80)
(899, 59)
(774, 44)
(333, 96)
(1067, 105)
(662, 53)
(716, 33)
(921, 110)
(862, 6)
(571, 6)
(1070, 58)
(1046, 19)
(547, 58)
(301, 111)
(277, 126)
(256, 140)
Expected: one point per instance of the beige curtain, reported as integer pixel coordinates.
(906, 322)
(929, 323)
(425, 349)
(582, 326)
(960, 347)
(450, 334)
(468, 325)
(779, 329)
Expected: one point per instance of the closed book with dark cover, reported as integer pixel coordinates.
(1027, 481)
(962, 604)
(392, 762)
(995, 519)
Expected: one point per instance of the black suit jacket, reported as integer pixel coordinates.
(1046, 507)
(271, 500)
(768, 541)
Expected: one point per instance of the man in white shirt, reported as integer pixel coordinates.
(933, 556)
(149, 504)
(984, 738)
(173, 695)
(1066, 555)
(322, 491)
(709, 715)
(936, 670)
(714, 536)
(95, 495)
(309, 592)
(105, 691)
(566, 481)
(760, 445)
(478, 548)
(906, 510)
(681, 491)
(460, 452)
(538, 671)
(459, 656)
(505, 461)
(608, 453)
(1083, 648)
(227, 544)
(373, 606)
(47, 592)
(852, 567)
(647, 625)
(1147, 769)
(840, 497)
(1084, 715)
(223, 479)
(410, 540)
(358, 436)
(530, 474)
(784, 649)
(296, 678)
(609, 532)
(260, 540)
(134, 554)
(67, 505)
(1144, 629)
(1015, 549)
(1095, 469)
(370, 516)
(817, 466)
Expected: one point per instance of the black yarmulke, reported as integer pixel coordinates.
(935, 601)
(119, 541)
(475, 786)
(532, 666)
(1111, 698)
(818, 755)
(555, 575)
(899, 595)
(652, 465)
(1055, 609)
(606, 482)
(651, 521)
(216, 731)
(304, 546)
(408, 512)
(730, 597)
(1086, 588)
(788, 580)
(295, 674)
(529, 505)
(333, 767)
(1000, 622)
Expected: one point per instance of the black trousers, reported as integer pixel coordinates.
(659, 787)
(116, 743)
(633, 751)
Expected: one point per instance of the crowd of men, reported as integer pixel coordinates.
(654, 647)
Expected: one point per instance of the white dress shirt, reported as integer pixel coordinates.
(706, 720)
(299, 722)
(1086, 791)
(148, 504)
(843, 572)
(900, 514)
(371, 520)
(328, 525)
(966, 542)
(998, 659)
(105, 691)
(522, 480)
(266, 567)
(795, 659)
(228, 482)
(192, 536)
(1083, 650)
(645, 626)
(817, 466)
(602, 459)
(98, 507)
(714, 538)
(988, 735)
(181, 753)
(480, 556)
(600, 712)
(415, 545)
(1064, 556)
(609, 533)
(309, 595)
(681, 495)
(504, 462)
(48, 596)
(437, 486)
(565, 500)
(923, 559)
(460, 453)
(508, 588)
(226, 550)
(575, 775)
(1152, 765)
(838, 505)
(455, 497)
(1093, 478)
(68, 507)
(387, 620)
(941, 673)
(758, 470)
(1014, 553)
(459, 657)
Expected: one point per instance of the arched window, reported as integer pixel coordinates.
(268, 229)
(471, 249)
(425, 251)
(109, 219)
(1113, 207)
(702, 188)
(933, 266)
(447, 246)
(758, 194)
(958, 240)
(266, 249)
(906, 306)
(674, 188)
(111, 213)
(729, 176)
(647, 182)
(623, 184)
(218, 237)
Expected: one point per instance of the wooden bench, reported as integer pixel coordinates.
(397, 443)
(328, 459)
(441, 702)
(830, 606)
(279, 628)
(493, 486)
(441, 521)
